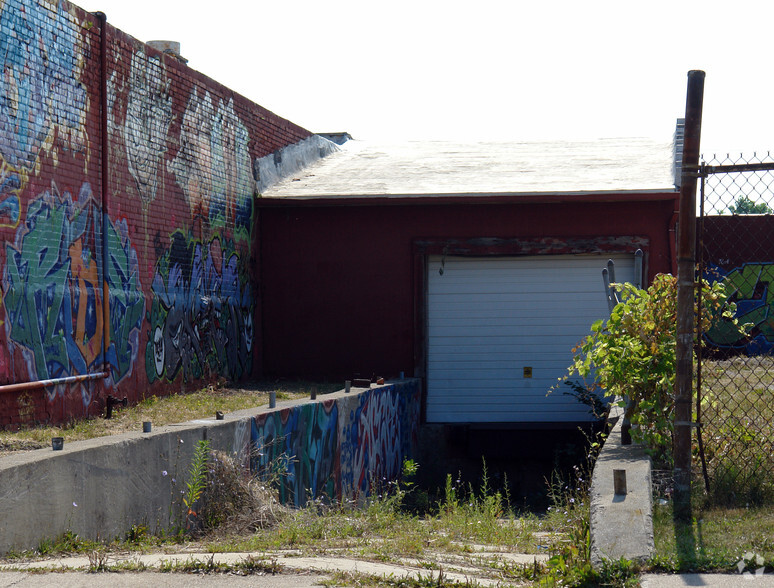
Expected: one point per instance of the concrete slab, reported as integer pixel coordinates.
(289, 563)
(709, 580)
(156, 579)
(621, 525)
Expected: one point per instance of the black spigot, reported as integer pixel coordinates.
(112, 401)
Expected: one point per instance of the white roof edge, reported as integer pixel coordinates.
(665, 190)
(290, 159)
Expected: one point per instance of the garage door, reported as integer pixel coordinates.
(501, 330)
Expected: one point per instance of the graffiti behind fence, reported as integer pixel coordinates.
(750, 287)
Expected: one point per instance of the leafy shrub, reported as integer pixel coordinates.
(633, 355)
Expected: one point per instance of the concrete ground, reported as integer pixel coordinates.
(295, 570)
(710, 580)
(155, 579)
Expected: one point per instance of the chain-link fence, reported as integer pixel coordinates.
(735, 375)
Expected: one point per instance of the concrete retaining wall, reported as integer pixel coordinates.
(341, 444)
(621, 525)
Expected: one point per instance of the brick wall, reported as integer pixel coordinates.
(178, 216)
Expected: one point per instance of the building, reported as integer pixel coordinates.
(474, 266)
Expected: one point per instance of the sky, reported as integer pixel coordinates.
(484, 70)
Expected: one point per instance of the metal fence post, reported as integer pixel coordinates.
(686, 275)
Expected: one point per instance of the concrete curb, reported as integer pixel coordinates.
(100, 488)
(621, 525)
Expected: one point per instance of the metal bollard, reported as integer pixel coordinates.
(272, 399)
(619, 482)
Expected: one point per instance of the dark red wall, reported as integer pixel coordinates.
(340, 290)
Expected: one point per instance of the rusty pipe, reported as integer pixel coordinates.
(104, 177)
(34, 385)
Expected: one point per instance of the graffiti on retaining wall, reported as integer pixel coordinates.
(201, 314)
(371, 442)
(213, 165)
(751, 287)
(299, 446)
(329, 449)
(377, 436)
(53, 289)
(40, 91)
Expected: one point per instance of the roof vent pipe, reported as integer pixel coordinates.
(677, 151)
(169, 47)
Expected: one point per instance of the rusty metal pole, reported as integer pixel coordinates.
(686, 277)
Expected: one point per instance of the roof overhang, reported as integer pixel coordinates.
(469, 198)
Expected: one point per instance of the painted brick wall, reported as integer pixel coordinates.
(178, 216)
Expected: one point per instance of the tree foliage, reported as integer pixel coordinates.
(745, 205)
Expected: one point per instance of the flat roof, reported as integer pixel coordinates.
(417, 168)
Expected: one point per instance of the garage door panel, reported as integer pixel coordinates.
(489, 318)
(508, 343)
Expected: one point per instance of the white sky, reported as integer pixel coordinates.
(483, 70)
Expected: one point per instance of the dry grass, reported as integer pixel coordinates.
(163, 411)
(716, 539)
(234, 502)
(738, 429)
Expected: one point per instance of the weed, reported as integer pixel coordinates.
(137, 534)
(197, 478)
(250, 565)
(67, 542)
(98, 561)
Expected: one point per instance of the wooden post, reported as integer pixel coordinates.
(686, 277)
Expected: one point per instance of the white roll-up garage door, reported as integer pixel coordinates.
(501, 330)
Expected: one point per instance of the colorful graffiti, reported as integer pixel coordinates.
(343, 448)
(53, 289)
(376, 437)
(201, 314)
(213, 165)
(751, 287)
(148, 116)
(300, 446)
(40, 92)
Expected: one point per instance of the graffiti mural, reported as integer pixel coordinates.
(371, 444)
(40, 93)
(213, 165)
(342, 448)
(148, 116)
(751, 287)
(300, 446)
(201, 314)
(52, 288)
